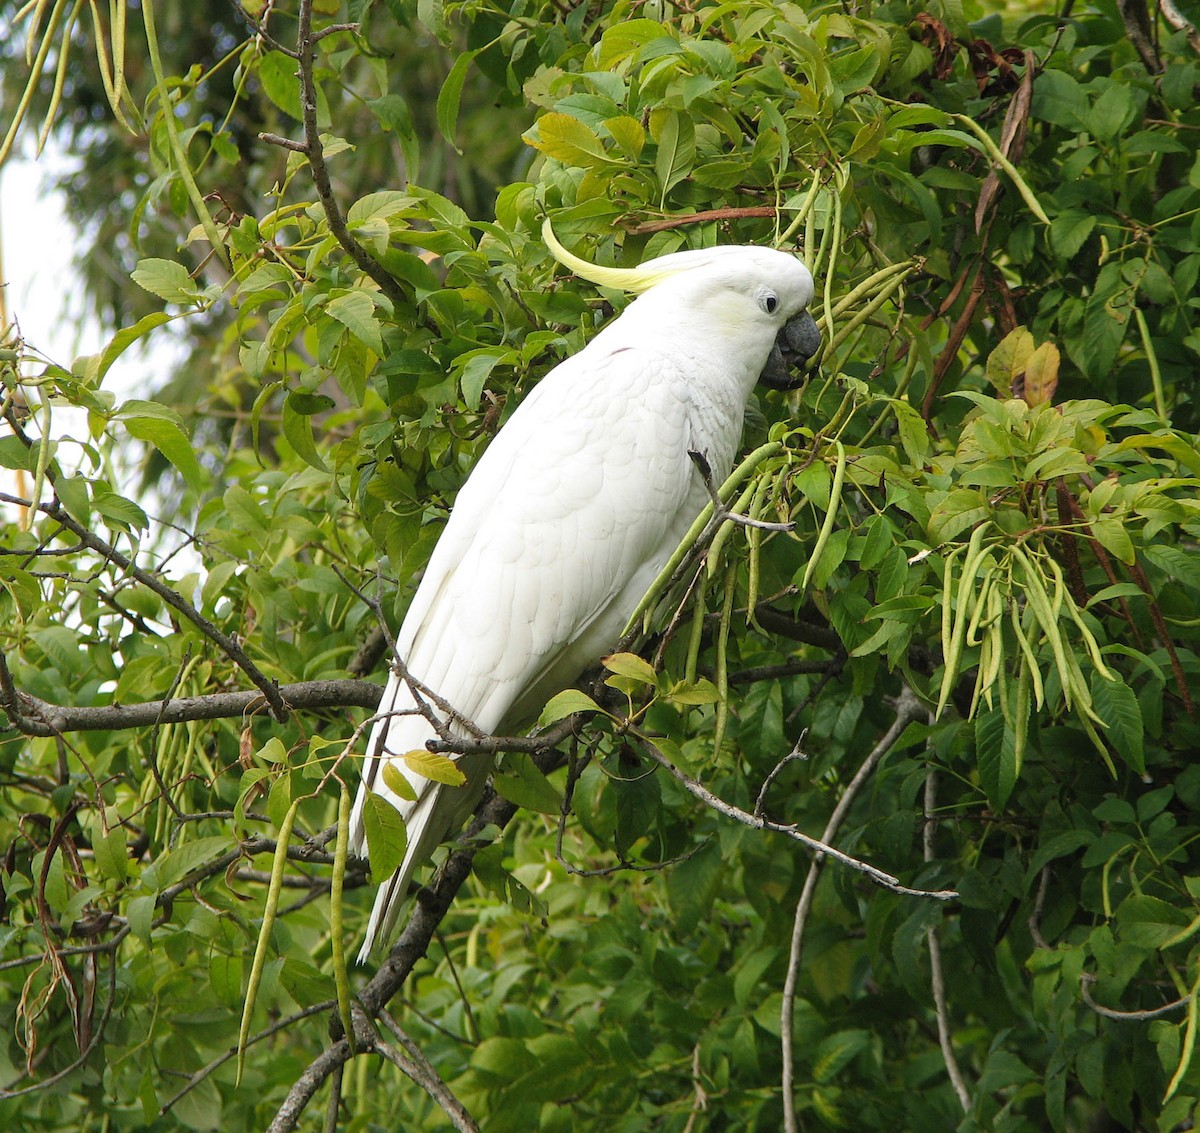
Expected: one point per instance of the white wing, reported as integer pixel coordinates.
(563, 524)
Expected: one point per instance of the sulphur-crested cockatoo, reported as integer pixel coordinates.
(572, 512)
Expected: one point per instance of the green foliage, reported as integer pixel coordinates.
(989, 489)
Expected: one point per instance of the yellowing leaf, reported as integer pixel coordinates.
(439, 768)
(1041, 375)
(631, 665)
(1008, 361)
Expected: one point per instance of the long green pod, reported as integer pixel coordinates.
(696, 635)
(1031, 665)
(1089, 640)
(1021, 717)
(865, 312)
(341, 852)
(717, 546)
(1039, 601)
(754, 542)
(966, 587)
(835, 500)
(60, 77)
(722, 673)
(947, 598)
(1189, 1043)
(876, 282)
(977, 620)
(274, 889)
(35, 64)
(763, 452)
(998, 157)
(177, 151)
(802, 214)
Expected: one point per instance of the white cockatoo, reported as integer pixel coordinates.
(572, 512)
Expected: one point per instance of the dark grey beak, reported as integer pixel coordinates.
(798, 341)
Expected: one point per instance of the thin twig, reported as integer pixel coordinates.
(908, 708)
(721, 512)
(423, 1072)
(315, 152)
(937, 973)
(1086, 979)
(228, 646)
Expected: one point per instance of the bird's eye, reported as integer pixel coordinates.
(768, 301)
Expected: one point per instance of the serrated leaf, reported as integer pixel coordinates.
(995, 751)
(570, 141)
(566, 703)
(702, 691)
(1149, 921)
(1117, 705)
(435, 766)
(177, 864)
(676, 137)
(119, 511)
(836, 1051)
(387, 837)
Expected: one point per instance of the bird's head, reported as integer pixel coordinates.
(756, 295)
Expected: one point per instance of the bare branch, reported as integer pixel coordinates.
(422, 1071)
(1086, 979)
(46, 719)
(937, 973)
(315, 152)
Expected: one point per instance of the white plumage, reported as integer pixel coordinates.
(572, 512)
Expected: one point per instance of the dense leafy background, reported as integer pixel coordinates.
(993, 471)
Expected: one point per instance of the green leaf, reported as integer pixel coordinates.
(168, 280)
(386, 837)
(298, 429)
(522, 783)
(570, 141)
(995, 750)
(176, 864)
(676, 137)
(566, 703)
(119, 511)
(451, 95)
(170, 439)
(1117, 705)
(397, 782)
(355, 310)
(1149, 921)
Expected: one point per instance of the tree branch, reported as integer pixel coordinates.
(228, 646)
(315, 153)
(46, 719)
